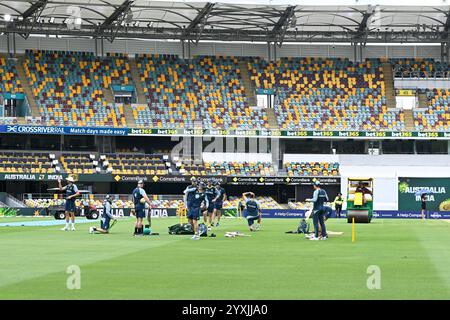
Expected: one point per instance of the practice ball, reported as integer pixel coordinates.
(147, 231)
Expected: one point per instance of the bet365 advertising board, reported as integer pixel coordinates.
(437, 192)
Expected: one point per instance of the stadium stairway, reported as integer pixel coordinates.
(26, 87)
(137, 82)
(109, 98)
(248, 84)
(409, 119)
(272, 118)
(129, 118)
(389, 85)
(423, 100)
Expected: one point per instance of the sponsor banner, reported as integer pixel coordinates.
(35, 129)
(409, 215)
(284, 180)
(363, 134)
(405, 92)
(377, 214)
(120, 212)
(437, 194)
(283, 213)
(105, 177)
(155, 212)
(31, 177)
(32, 129)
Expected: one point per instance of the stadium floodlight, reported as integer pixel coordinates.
(7, 17)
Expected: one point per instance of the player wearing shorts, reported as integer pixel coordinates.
(71, 193)
(218, 203)
(140, 198)
(252, 211)
(211, 193)
(199, 202)
(106, 217)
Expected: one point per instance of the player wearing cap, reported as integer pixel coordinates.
(140, 198)
(106, 216)
(71, 193)
(318, 212)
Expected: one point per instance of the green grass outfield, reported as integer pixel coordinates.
(413, 256)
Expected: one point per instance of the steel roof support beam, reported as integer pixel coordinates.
(140, 32)
(279, 30)
(114, 21)
(198, 24)
(30, 18)
(363, 29)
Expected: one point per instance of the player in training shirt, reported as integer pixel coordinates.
(252, 211)
(218, 203)
(211, 192)
(199, 202)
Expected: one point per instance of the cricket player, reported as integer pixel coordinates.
(423, 203)
(106, 217)
(140, 198)
(189, 193)
(199, 202)
(218, 202)
(252, 211)
(211, 192)
(72, 192)
(318, 213)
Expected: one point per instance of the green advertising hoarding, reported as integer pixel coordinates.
(437, 196)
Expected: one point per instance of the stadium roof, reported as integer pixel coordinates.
(257, 21)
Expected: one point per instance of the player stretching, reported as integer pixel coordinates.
(139, 199)
(106, 217)
(199, 202)
(211, 193)
(252, 211)
(71, 193)
(218, 203)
